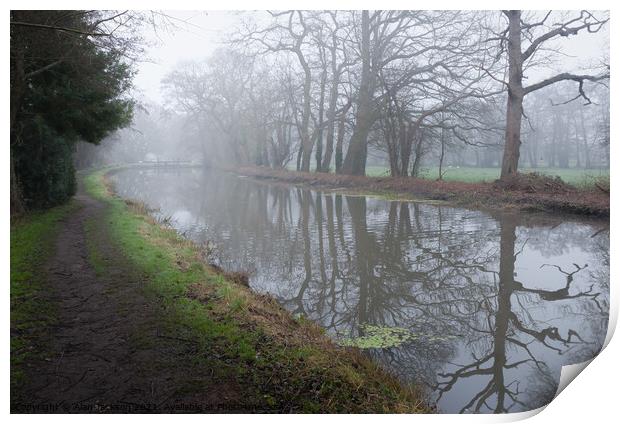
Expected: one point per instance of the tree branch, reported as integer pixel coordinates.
(567, 77)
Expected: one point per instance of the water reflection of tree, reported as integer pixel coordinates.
(445, 274)
(452, 289)
(508, 328)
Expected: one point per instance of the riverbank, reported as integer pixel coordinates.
(530, 193)
(141, 323)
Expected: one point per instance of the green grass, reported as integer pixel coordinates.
(578, 177)
(32, 240)
(279, 362)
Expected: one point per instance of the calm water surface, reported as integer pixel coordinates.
(483, 309)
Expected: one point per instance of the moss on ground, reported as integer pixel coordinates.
(279, 362)
(32, 312)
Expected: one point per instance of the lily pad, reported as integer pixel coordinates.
(377, 337)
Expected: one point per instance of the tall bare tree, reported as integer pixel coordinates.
(511, 42)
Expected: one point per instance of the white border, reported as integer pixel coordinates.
(592, 398)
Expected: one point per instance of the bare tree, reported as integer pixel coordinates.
(355, 159)
(424, 62)
(511, 43)
(405, 87)
(338, 61)
(289, 33)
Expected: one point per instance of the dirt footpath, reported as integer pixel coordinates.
(108, 352)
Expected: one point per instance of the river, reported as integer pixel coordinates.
(482, 308)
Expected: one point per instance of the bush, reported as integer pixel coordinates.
(44, 167)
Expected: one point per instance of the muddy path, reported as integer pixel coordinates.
(110, 351)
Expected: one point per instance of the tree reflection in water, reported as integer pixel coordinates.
(497, 303)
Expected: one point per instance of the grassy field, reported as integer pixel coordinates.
(579, 177)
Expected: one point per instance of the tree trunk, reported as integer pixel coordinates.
(554, 137)
(299, 158)
(564, 151)
(418, 139)
(584, 136)
(331, 111)
(415, 168)
(441, 155)
(392, 133)
(306, 141)
(514, 111)
(534, 147)
(531, 155)
(340, 140)
(407, 136)
(504, 308)
(577, 145)
(319, 139)
(355, 160)
(392, 155)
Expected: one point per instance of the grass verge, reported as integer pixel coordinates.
(279, 363)
(32, 238)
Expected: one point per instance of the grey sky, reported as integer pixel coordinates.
(204, 30)
(192, 41)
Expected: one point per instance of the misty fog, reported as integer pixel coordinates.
(246, 88)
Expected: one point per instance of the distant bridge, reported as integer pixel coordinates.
(168, 163)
